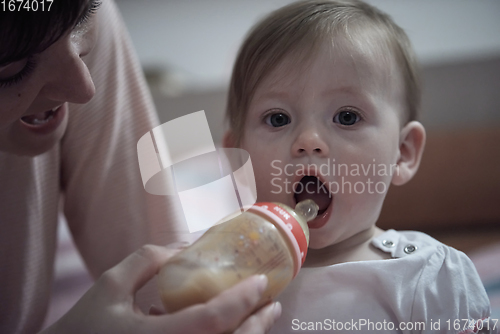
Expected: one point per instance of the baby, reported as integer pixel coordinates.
(324, 96)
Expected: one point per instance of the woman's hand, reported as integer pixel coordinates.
(108, 306)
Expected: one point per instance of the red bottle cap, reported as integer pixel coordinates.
(288, 224)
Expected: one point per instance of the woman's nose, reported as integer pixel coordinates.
(68, 77)
(309, 142)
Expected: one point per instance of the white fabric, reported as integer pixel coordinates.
(433, 283)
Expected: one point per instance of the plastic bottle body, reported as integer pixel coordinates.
(256, 242)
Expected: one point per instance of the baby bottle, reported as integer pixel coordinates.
(268, 238)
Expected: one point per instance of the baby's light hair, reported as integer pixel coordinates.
(299, 29)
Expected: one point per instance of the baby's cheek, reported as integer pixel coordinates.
(369, 204)
(273, 189)
(361, 197)
(264, 180)
(361, 184)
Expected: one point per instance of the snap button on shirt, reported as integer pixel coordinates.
(410, 249)
(388, 243)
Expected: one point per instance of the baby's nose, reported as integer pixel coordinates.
(310, 143)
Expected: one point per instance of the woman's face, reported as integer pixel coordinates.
(34, 92)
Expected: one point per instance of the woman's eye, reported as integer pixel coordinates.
(346, 118)
(16, 71)
(277, 120)
(10, 70)
(91, 11)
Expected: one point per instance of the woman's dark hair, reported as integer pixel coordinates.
(23, 32)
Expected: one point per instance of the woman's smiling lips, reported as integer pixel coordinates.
(45, 122)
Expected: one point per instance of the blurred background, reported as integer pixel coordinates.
(187, 49)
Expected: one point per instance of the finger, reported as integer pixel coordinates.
(139, 267)
(262, 321)
(224, 312)
(237, 303)
(179, 245)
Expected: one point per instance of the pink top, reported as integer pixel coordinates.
(94, 172)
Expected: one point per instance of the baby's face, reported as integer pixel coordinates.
(336, 119)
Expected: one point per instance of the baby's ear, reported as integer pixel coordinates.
(228, 141)
(411, 147)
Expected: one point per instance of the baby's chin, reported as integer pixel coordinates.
(317, 240)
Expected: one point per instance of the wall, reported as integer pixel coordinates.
(196, 41)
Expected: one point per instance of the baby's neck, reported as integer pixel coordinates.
(356, 248)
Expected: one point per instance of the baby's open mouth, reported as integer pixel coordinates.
(310, 187)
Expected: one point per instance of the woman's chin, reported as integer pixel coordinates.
(21, 142)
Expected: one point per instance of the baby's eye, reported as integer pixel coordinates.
(346, 118)
(277, 120)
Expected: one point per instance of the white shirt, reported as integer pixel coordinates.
(427, 286)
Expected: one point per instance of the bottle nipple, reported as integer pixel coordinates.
(307, 209)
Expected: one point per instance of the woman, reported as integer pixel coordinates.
(73, 104)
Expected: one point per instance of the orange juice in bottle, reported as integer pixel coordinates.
(268, 238)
